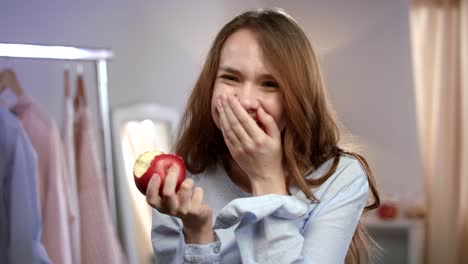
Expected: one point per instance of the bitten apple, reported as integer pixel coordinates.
(152, 162)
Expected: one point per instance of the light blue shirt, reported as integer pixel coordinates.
(271, 228)
(20, 223)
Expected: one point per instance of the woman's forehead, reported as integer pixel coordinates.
(242, 51)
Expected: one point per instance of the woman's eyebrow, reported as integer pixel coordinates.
(267, 76)
(229, 70)
(234, 71)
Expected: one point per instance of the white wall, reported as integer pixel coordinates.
(363, 45)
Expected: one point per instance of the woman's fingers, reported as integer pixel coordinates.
(187, 203)
(170, 181)
(271, 128)
(169, 195)
(239, 120)
(205, 210)
(250, 129)
(226, 128)
(185, 196)
(152, 192)
(197, 199)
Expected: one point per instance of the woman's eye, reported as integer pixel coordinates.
(229, 77)
(270, 84)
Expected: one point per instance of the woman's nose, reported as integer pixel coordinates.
(247, 97)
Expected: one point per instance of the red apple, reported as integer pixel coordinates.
(163, 162)
(387, 211)
(157, 162)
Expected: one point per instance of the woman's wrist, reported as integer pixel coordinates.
(200, 236)
(263, 187)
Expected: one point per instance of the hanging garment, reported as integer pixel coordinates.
(99, 242)
(20, 223)
(54, 192)
(69, 147)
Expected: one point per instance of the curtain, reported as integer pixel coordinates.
(439, 45)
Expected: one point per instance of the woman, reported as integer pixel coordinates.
(260, 143)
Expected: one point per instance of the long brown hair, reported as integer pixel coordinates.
(311, 135)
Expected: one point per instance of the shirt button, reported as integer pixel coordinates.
(216, 250)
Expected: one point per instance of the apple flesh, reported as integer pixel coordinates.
(157, 162)
(143, 169)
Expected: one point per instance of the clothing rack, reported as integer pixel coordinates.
(68, 53)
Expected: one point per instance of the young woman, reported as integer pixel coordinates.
(267, 181)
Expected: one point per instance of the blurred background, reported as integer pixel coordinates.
(394, 71)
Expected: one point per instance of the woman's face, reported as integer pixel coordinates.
(244, 73)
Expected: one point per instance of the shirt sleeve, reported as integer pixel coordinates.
(330, 228)
(25, 223)
(289, 229)
(169, 246)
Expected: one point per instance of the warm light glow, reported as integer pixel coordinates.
(52, 52)
(147, 122)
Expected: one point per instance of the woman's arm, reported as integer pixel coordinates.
(288, 229)
(169, 244)
(331, 226)
(182, 224)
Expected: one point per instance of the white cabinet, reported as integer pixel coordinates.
(402, 239)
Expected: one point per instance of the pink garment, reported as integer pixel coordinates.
(53, 190)
(99, 242)
(69, 148)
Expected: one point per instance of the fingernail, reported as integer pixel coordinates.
(174, 169)
(154, 178)
(170, 169)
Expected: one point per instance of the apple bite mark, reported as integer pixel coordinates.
(143, 169)
(143, 163)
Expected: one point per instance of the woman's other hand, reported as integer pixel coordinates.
(186, 204)
(254, 144)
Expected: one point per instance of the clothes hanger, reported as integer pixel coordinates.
(80, 95)
(66, 80)
(8, 79)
